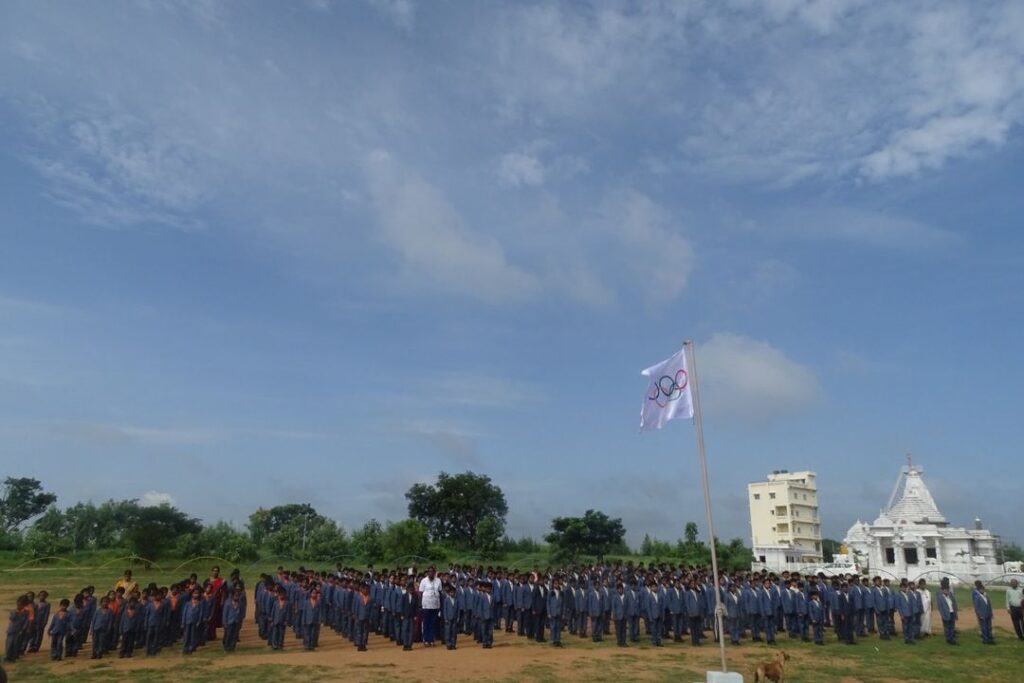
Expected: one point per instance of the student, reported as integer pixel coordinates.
(450, 614)
(555, 608)
(905, 606)
(540, 608)
(15, 629)
(676, 602)
(632, 600)
(310, 614)
(619, 614)
(948, 611)
(732, 613)
(362, 617)
(407, 614)
(74, 627)
(653, 613)
(129, 627)
(102, 621)
(983, 610)
(595, 611)
(694, 613)
(153, 621)
(232, 617)
(816, 617)
(42, 616)
(59, 629)
(486, 616)
(191, 618)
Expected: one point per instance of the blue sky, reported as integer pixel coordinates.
(321, 251)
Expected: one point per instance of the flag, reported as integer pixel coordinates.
(668, 395)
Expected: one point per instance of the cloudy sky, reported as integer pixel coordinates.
(256, 254)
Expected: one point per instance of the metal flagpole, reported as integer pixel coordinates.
(691, 363)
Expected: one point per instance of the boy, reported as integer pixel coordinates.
(310, 615)
(42, 610)
(279, 612)
(130, 617)
(816, 615)
(555, 608)
(232, 617)
(618, 614)
(732, 613)
(18, 622)
(406, 613)
(983, 610)
(362, 617)
(948, 611)
(59, 629)
(101, 623)
(485, 613)
(152, 618)
(191, 617)
(450, 612)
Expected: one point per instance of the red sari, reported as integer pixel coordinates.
(217, 617)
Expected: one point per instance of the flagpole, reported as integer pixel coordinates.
(691, 363)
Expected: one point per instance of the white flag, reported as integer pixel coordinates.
(668, 395)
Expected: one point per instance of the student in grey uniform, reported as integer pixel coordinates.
(59, 629)
(555, 608)
(654, 613)
(407, 613)
(694, 613)
(632, 600)
(948, 611)
(983, 610)
(450, 614)
(816, 617)
(731, 601)
(619, 614)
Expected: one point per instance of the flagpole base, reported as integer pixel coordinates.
(724, 677)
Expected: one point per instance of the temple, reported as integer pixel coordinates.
(912, 539)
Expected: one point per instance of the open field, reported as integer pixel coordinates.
(512, 658)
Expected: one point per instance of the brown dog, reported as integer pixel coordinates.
(773, 670)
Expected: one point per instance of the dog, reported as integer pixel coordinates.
(773, 670)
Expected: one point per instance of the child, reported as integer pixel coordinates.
(154, 620)
(128, 626)
(191, 617)
(983, 611)
(74, 627)
(816, 615)
(15, 629)
(232, 619)
(485, 614)
(450, 612)
(362, 617)
(42, 610)
(407, 612)
(278, 620)
(59, 629)
(101, 623)
(555, 608)
(311, 614)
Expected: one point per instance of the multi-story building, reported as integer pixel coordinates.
(784, 523)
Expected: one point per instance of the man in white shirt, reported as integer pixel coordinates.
(430, 592)
(1015, 605)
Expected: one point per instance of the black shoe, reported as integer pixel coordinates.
(407, 648)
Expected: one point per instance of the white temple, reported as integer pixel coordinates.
(912, 539)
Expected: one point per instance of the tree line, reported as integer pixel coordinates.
(459, 515)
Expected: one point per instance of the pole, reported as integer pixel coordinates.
(691, 364)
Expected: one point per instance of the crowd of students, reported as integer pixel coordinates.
(672, 603)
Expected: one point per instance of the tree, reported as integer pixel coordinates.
(489, 537)
(368, 542)
(47, 535)
(263, 522)
(452, 508)
(691, 533)
(1013, 553)
(829, 548)
(23, 498)
(593, 534)
(153, 530)
(408, 537)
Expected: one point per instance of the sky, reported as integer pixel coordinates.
(253, 254)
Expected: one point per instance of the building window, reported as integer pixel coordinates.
(757, 496)
(761, 558)
(805, 496)
(930, 552)
(910, 555)
(796, 513)
(890, 556)
(772, 496)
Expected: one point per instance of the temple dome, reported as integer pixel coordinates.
(916, 505)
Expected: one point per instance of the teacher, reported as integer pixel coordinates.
(430, 590)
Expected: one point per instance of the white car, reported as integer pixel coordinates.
(836, 569)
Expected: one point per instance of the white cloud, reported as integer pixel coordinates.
(753, 381)
(436, 248)
(156, 499)
(516, 169)
(864, 227)
(456, 443)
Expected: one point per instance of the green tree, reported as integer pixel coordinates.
(829, 548)
(22, 499)
(408, 537)
(47, 535)
(265, 522)
(489, 537)
(691, 533)
(368, 542)
(452, 508)
(154, 530)
(1011, 553)
(594, 534)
